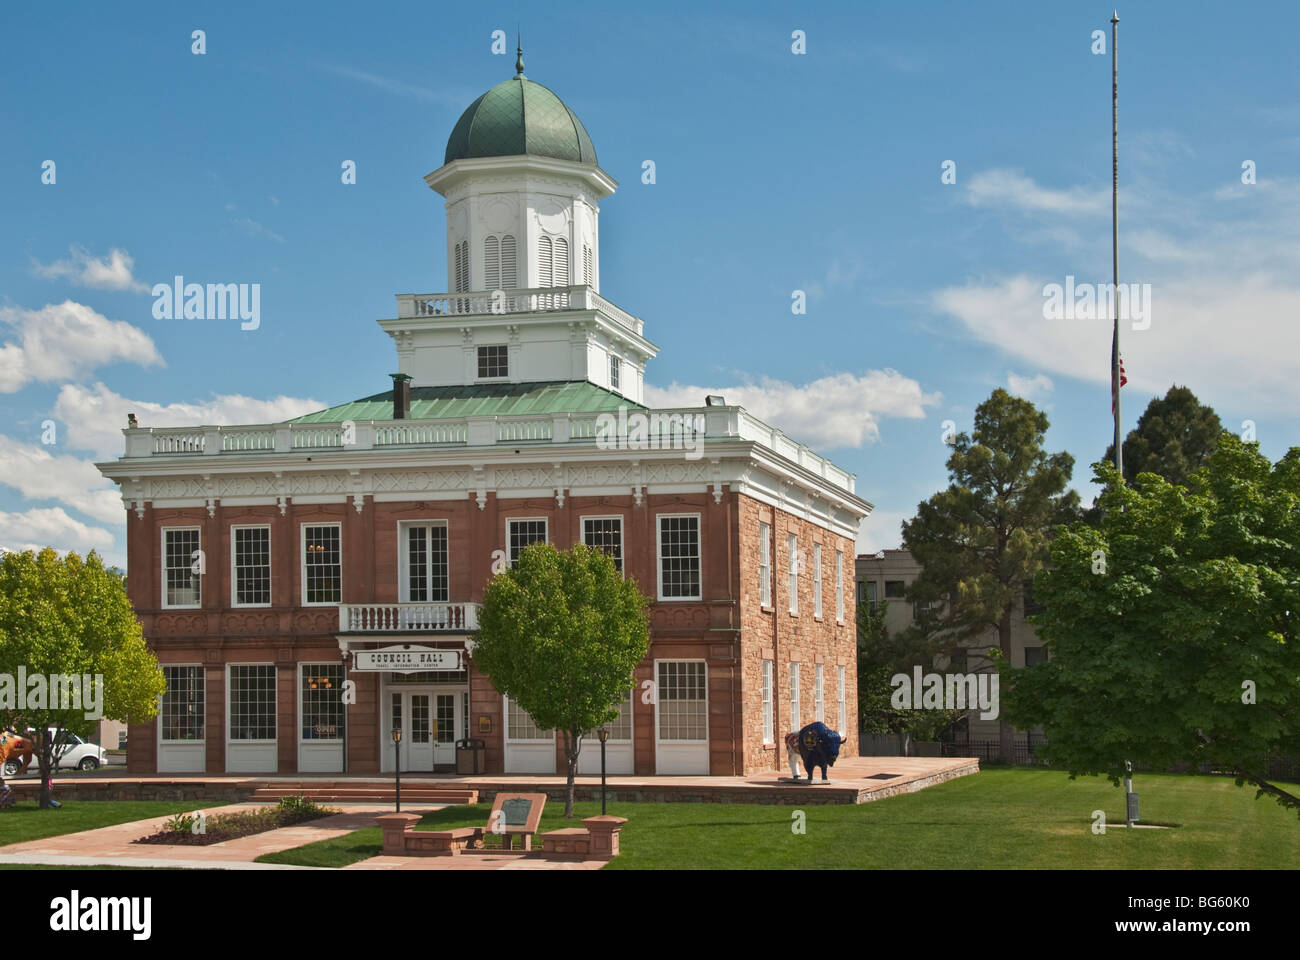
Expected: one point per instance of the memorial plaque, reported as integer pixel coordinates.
(514, 812)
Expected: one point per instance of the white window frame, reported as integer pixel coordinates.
(512, 561)
(499, 378)
(302, 555)
(839, 691)
(819, 703)
(764, 564)
(204, 726)
(342, 716)
(817, 580)
(543, 736)
(615, 365)
(275, 688)
(796, 721)
(792, 568)
(839, 586)
(234, 573)
(659, 559)
(404, 558)
(622, 546)
(768, 733)
(658, 738)
(180, 606)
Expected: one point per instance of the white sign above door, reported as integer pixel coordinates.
(406, 658)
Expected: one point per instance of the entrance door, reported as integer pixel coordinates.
(412, 711)
(419, 749)
(450, 726)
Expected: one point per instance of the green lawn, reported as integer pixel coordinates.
(1000, 818)
(26, 821)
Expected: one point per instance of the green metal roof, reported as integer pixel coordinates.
(518, 117)
(481, 400)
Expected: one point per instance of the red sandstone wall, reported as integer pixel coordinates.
(725, 627)
(773, 633)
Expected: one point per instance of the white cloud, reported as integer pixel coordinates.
(1223, 268)
(392, 85)
(842, 410)
(1030, 388)
(1236, 337)
(113, 272)
(1011, 188)
(38, 474)
(881, 531)
(95, 416)
(254, 229)
(52, 527)
(65, 341)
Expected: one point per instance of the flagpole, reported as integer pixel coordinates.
(1114, 233)
(1115, 381)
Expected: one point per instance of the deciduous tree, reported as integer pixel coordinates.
(69, 618)
(1171, 625)
(561, 635)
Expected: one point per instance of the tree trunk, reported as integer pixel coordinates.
(46, 766)
(1006, 732)
(572, 744)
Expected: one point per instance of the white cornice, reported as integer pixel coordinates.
(396, 476)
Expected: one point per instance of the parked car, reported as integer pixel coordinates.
(78, 754)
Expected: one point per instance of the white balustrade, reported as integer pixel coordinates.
(407, 617)
(660, 430)
(532, 300)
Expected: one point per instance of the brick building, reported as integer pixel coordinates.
(276, 566)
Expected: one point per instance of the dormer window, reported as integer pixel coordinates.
(493, 362)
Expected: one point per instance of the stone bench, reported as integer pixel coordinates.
(596, 839)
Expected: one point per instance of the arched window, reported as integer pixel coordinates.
(561, 275)
(499, 271)
(491, 263)
(544, 262)
(460, 254)
(509, 274)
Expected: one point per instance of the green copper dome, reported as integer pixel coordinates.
(520, 117)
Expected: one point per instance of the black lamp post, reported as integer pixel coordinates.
(397, 764)
(603, 734)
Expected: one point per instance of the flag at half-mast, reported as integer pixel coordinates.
(1114, 387)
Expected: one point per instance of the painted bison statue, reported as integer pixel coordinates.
(817, 745)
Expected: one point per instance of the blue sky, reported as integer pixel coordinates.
(775, 172)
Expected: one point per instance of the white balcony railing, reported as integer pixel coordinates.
(475, 303)
(407, 617)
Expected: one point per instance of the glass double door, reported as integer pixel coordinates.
(432, 720)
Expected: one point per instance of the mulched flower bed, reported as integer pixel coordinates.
(181, 829)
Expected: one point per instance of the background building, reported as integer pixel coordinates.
(272, 564)
(885, 576)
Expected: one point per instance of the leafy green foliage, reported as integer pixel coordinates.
(1194, 600)
(561, 635)
(72, 616)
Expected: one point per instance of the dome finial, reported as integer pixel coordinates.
(519, 54)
